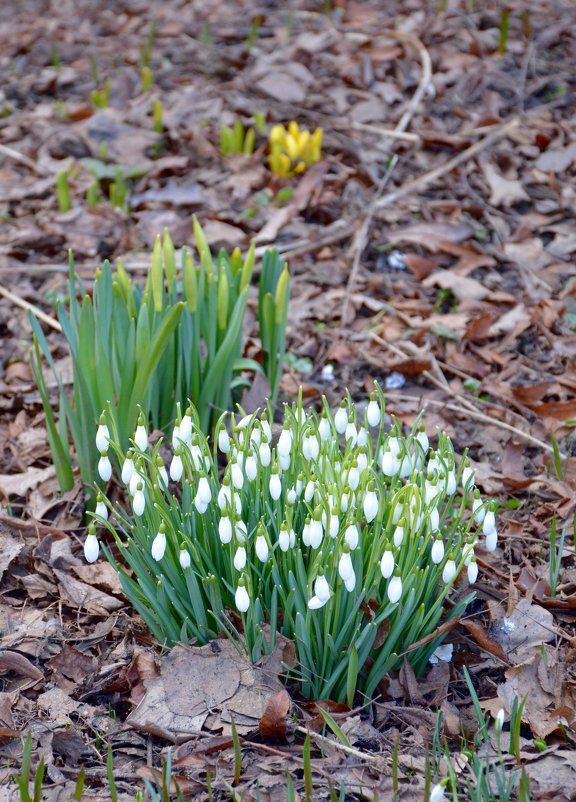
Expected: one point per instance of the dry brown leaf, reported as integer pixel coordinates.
(504, 191)
(11, 548)
(556, 161)
(81, 596)
(18, 664)
(463, 287)
(18, 484)
(272, 724)
(525, 630)
(431, 235)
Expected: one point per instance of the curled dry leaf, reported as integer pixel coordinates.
(272, 724)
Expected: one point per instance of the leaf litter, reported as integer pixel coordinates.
(483, 320)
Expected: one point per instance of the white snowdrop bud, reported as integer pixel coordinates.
(352, 537)
(449, 571)
(345, 567)
(241, 531)
(390, 463)
(315, 603)
(306, 532)
(176, 468)
(224, 497)
(135, 480)
(262, 550)
(223, 441)
(284, 462)
(362, 437)
(313, 447)
(437, 793)
(353, 477)
(373, 413)
(324, 429)
(315, 533)
(309, 491)
(104, 467)
(162, 473)
(127, 469)
(434, 517)
(240, 558)
(387, 564)
(405, 466)
(322, 588)
(472, 571)
(370, 505)
(185, 428)
(491, 541)
(237, 476)
(292, 534)
(394, 445)
(431, 492)
(489, 523)
(184, 558)
(351, 434)
(91, 548)
(275, 486)
(468, 477)
(264, 454)
(225, 530)
(102, 436)
(341, 418)
(422, 438)
(284, 446)
(399, 534)
(478, 510)
(395, 589)
(350, 582)
(266, 430)
(138, 501)
(291, 496)
(200, 503)
(284, 540)
(256, 435)
(251, 468)
(334, 526)
(437, 553)
(242, 599)
(141, 437)
(159, 544)
(499, 720)
(362, 461)
(101, 508)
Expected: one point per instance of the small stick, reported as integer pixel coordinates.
(30, 308)
(391, 133)
(349, 749)
(10, 153)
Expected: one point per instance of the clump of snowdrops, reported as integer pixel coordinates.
(354, 541)
(178, 337)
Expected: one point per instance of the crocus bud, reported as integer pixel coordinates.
(341, 418)
(373, 413)
(91, 546)
(102, 435)
(101, 508)
(184, 557)
(437, 553)
(395, 589)
(387, 564)
(241, 597)
(104, 467)
(159, 544)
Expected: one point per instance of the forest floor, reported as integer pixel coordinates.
(432, 249)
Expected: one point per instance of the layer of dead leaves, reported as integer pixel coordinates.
(464, 302)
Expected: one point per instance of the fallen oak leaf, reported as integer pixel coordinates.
(484, 640)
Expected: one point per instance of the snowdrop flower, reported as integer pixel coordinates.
(135, 480)
(104, 467)
(472, 571)
(251, 468)
(306, 532)
(449, 571)
(322, 588)
(334, 525)
(351, 434)
(489, 523)
(353, 477)
(264, 454)
(499, 720)
(468, 475)
(387, 564)
(390, 463)
(324, 429)
(345, 567)
(468, 550)
(309, 491)
(223, 441)
(350, 583)
(395, 589)
(102, 435)
(138, 500)
(162, 473)
(434, 516)
(159, 544)
(437, 553)
(141, 436)
(478, 509)
(399, 533)
(176, 468)
(275, 485)
(443, 653)
(394, 445)
(284, 461)
(127, 468)
(315, 532)
(362, 461)
(405, 466)
(91, 547)
(299, 485)
(362, 437)
(373, 412)
(225, 530)
(437, 793)
(241, 597)
(241, 531)
(240, 558)
(283, 538)
(431, 490)
(292, 534)
(370, 505)
(237, 475)
(261, 547)
(256, 435)
(422, 438)
(185, 428)
(203, 495)
(184, 558)
(266, 430)
(291, 496)
(352, 537)
(315, 603)
(491, 541)
(451, 482)
(344, 502)
(284, 446)
(101, 508)
(341, 418)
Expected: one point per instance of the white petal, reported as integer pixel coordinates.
(159, 546)
(242, 599)
(141, 438)
(91, 548)
(395, 589)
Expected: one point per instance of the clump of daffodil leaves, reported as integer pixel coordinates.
(355, 541)
(293, 150)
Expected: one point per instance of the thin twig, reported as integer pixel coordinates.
(391, 133)
(15, 299)
(338, 745)
(10, 153)
(361, 238)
